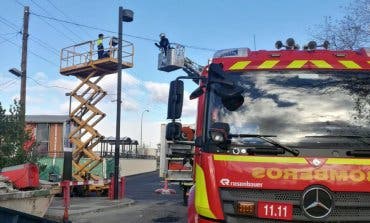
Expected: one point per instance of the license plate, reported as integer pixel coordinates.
(283, 211)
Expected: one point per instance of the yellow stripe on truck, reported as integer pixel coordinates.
(201, 197)
(348, 161)
(290, 160)
(268, 64)
(239, 65)
(260, 159)
(297, 64)
(321, 64)
(349, 64)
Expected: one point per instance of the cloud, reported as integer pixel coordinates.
(40, 76)
(109, 82)
(157, 91)
(189, 108)
(64, 85)
(130, 105)
(150, 135)
(129, 79)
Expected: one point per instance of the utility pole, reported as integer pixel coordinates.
(24, 64)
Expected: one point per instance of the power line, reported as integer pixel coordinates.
(7, 23)
(35, 54)
(8, 39)
(19, 3)
(73, 23)
(33, 38)
(53, 27)
(7, 85)
(45, 45)
(114, 32)
(6, 82)
(48, 86)
(10, 22)
(6, 34)
(64, 14)
(43, 9)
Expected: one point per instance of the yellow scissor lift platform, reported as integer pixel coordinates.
(81, 60)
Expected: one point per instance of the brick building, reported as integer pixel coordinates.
(50, 132)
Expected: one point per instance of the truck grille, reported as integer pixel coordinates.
(348, 206)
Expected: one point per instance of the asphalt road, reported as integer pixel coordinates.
(149, 207)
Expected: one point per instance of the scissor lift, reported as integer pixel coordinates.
(82, 61)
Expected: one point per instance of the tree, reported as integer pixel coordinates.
(12, 138)
(350, 32)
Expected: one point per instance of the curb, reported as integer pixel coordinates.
(58, 217)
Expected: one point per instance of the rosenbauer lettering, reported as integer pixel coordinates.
(273, 173)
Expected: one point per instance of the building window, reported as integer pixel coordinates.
(42, 137)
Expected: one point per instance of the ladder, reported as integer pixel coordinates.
(81, 61)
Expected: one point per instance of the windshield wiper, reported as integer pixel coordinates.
(358, 153)
(272, 142)
(338, 136)
(357, 137)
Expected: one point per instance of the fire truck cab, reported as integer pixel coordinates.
(281, 135)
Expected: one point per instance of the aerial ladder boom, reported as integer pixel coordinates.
(81, 60)
(175, 59)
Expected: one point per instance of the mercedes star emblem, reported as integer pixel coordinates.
(317, 202)
(316, 162)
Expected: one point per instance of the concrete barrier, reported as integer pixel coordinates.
(136, 166)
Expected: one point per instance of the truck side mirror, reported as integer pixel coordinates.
(175, 99)
(173, 131)
(197, 93)
(231, 97)
(229, 92)
(233, 103)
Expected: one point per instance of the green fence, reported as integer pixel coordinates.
(102, 170)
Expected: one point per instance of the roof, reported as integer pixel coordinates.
(47, 118)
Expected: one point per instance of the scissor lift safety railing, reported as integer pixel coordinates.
(81, 61)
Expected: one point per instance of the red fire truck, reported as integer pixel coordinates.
(281, 135)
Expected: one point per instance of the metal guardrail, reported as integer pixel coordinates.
(85, 52)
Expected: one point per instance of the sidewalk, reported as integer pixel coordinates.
(84, 205)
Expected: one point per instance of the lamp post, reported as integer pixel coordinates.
(67, 148)
(141, 128)
(124, 15)
(70, 102)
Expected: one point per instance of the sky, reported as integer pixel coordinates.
(202, 26)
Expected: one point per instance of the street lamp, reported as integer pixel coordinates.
(16, 72)
(70, 102)
(22, 98)
(141, 128)
(124, 15)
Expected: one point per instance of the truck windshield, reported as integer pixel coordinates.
(300, 109)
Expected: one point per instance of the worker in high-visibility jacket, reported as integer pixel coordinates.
(99, 42)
